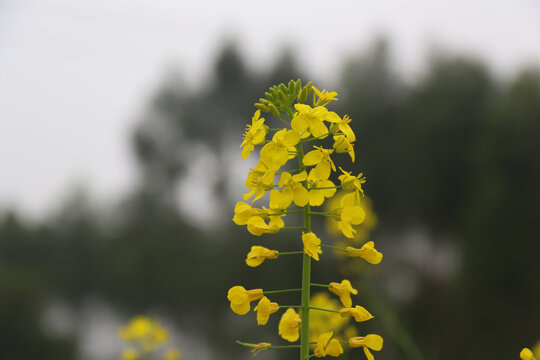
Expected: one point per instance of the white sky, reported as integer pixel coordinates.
(75, 74)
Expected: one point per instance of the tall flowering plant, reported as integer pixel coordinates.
(298, 191)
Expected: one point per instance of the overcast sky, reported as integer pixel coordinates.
(74, 75)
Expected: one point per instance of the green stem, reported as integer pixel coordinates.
(280, 291)
(269, 347)
(287, 212)
(320, 285)
(321, 213)
(306, 270)
(290, 306)
(314, 138)
(321, 309)
(333, 247)
(289, 253)
(292, 227)
(325, 187)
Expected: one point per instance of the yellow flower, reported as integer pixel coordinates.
(351, 213)
(312, 245)
(276, 153)
(241, 298)
(317, 196)
(258, 181)
(264, 309)
(342, 125)
(328, 346)
(172, 354)
(371, 341)
(344, 291)
(324, 97)
(260, 347)
(321, 159)
(366, 252)
(145, 332)
(254, 135)
(289, 325)
(322, 321)
(359, 313)
(309, 120)
(130, 354)
(257, 226)
(293, 191)
(243, 211)
(258, 254)
(343, 145)
(527, 354)
(276, 221)
(350, 182)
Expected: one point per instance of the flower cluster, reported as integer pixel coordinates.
(313, 181)
(146, 339)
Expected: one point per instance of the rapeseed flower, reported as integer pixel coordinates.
(366, 252)
(317, 196)
(258, 254)
(328, 346)
(308, 120)
(289, 325)
(257, 348)
(293, 191)
(254, 135)
(371, 341)
(359, 313)
(243, 211)
(257, 226)
(264, 309)
(344, 291)
(320, 158)
(339, 124)
(350, 182)
(241, 298)
(276, 153)
(343, 145)
(324, 97)
(312, 245)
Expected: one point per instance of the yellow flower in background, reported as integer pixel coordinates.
(144, 331)
(308, 120)
(363, 230)
(241, 298)
(328, 346)
(276, 153)
(526, 354)
(172, 354)
(260, 347)
(344, 291)
(312, 245)
(371, 341)
(258, 254)
(320, 158)
(289, 325)
(323, 321)
(317, 196)
(130, 354)
(293, 191)
(254, 135)
(350, 182)
(324, 97)
(264, 309)
(359, 313)
(366, 252)
(351, 213)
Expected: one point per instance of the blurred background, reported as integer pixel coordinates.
(120, 125)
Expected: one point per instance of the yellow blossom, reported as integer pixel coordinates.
(258, 254)
(309, 120)
(257, 226)
(342, 125)
(312, 245)
(371, 341)
(344, 291)
(526, 354)
(276, 153)
(264, 309)
(342, 144)
(130, 354)
(322, 321)
(144, 331)
(366, 252)
(243, 211)
(276, 221)
(324, 97)
(350, 182)
(260, 347)
(351, 213)
(317, 196)
(172, 354)
(293, 191)
(259, 180)
(321, 159)
(254, 135)
(289, 325)
(241, 298)
(359, 313)
(328, 346)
